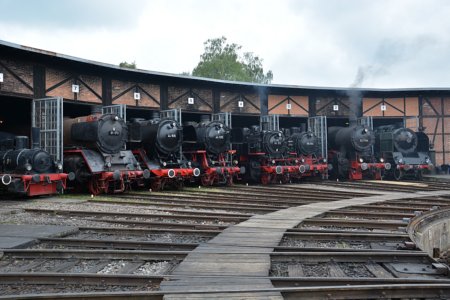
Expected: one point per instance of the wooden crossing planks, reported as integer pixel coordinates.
(238, 259)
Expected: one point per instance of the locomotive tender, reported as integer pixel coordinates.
(351, 155)
(407, 151)
(94, 151)
(29, 171)
(156, 144)
(207, 145)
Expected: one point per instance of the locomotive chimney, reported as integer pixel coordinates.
(96, 109)
(35, 137)
(303, 127)
(154, 115)
(205, 118)
(21, 142)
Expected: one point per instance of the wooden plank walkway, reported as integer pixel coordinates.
(238, 259)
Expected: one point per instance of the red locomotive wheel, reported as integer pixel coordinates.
(94, 186)
(229, 180)
(157, 185)
(206, 180)
(265, 178)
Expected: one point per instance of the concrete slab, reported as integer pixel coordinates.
(17, 236)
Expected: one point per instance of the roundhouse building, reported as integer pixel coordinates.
(28, 73)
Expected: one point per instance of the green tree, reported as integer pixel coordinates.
(128, 65)
(221, 60)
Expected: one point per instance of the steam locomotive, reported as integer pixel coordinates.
(407, 151)
(26, 171)
(262, 153)
(94, 151)
(156, 144)
(351, 155)
(303, 151)
(207, 145)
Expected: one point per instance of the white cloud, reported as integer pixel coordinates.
(312, 43)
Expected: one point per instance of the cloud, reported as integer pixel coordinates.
(71, 14)
(394, 43)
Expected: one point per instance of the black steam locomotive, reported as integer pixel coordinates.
(156, 144)
(26, 171)
(94, 152)
(407, 151)
(303, 151)
(351, 155)
(263, 154)
(208, 145)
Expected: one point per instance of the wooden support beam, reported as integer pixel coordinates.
(312, 106)
(106, 91)
(164, 96)
(263, 101)
(39, 81)
(216, 101)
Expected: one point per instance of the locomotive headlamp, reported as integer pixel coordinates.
(296, 161)
(361, 160)
(324, 160)
(427, 160)
(116, 118)
(28, 167)
(108, 164)
(59, 166)
(235, 162)
(273, 161)
(382, 160)
(400, 161)
(303, 160)
(189, 163)
(279, 134)
(164, 164)
(365, 130)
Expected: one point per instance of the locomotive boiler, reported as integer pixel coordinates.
(303, 151)
(29, 171)
(95, 152)
(351, 155)
(208, 145)
(406, 150)
(263, 154)
(157, 144)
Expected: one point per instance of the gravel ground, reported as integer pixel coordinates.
(356, 270)
(156, 268)
(292, 242)
(8, 289)
(157, 237)
(18, 216)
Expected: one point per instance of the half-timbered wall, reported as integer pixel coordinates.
(229, 102)
(179, 98)
(325, 106)
(123, 92)
(17, 78)
(436, 121)
(288, 105)
(59, 83)
(391, 107)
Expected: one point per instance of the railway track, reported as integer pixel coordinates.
(355, 251)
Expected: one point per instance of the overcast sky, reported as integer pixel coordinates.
(393, 43)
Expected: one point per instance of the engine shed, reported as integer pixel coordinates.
(27, 73)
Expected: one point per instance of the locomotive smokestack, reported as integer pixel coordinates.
(154, 115)
(96, 109)
(303, 127)
(21, 142)
(205, 118)
(35, 137)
